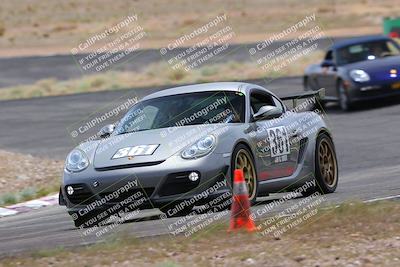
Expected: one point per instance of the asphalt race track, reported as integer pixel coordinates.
(366, 140)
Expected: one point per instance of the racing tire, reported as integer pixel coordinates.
(326, 166)
(345, 102)
(242, 158)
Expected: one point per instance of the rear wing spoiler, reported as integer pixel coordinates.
(319, 95)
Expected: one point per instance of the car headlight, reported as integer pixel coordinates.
(76, 161)
(199, 149)
(359, 76)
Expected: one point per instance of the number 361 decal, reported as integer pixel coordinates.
(278, 141)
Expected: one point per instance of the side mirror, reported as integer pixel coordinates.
(327, 63)
(267, 112)
(106, 131)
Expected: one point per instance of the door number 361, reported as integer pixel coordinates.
(279, 141)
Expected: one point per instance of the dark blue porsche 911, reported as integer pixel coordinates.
(357, 69)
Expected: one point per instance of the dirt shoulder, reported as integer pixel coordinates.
(46, 27)
(352, 235)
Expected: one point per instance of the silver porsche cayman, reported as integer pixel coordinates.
(177, 149)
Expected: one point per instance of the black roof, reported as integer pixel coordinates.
(358, 40)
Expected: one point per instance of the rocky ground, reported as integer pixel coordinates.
(23, 176)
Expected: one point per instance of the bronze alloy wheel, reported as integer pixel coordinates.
(244, 161)
(327, 163)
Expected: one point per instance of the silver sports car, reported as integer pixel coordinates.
(177, 148)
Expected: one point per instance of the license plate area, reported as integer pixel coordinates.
(396, 86)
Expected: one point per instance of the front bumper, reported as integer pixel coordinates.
(369, 91)
(160, 185)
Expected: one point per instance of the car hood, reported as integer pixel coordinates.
(169, 140)
(378, 69)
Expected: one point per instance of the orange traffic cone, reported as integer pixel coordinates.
(240, 210)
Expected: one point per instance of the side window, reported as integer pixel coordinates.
(393, 49)
(257, 100)
(279, 104)
(329, 55)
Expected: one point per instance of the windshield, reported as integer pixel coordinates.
(367, 51)
(184, 109)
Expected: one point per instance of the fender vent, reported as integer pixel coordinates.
(302, 149)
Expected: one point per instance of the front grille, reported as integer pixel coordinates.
(82, 194)
(178, 183)
(127, 166)
(145, 193)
